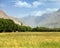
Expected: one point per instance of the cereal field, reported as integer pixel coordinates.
(30, 40)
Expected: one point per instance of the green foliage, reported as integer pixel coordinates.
(8, 25)
(24, 28)
(45, 29)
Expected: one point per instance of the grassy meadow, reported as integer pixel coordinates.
(30, 40)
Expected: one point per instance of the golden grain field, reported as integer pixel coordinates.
(30, 40)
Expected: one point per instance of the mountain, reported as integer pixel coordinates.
(5, 16)
(52, 20)
(29, 20)
(33, 21)
(46, 20)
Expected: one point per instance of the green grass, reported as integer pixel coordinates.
(30, 40)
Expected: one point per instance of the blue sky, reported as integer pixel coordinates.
(22, 8)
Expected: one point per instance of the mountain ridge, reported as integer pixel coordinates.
(46, 20)
(5, 16)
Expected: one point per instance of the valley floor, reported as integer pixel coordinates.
(30, 40)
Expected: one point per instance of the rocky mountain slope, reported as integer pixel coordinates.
(5, 16)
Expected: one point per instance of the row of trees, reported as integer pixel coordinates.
(7, 25)
(45, 29)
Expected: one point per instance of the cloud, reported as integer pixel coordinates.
(22, 4)
(41, 12)
(37, 13)
(51, 3)
(49, 0)
(36, 3)
(26, 4)
(51, 9)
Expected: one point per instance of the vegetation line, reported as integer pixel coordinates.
(7, 25)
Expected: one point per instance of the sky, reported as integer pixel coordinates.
(22, 8)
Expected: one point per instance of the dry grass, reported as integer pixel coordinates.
(30, 40)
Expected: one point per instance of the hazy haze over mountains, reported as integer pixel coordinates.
(46, 20)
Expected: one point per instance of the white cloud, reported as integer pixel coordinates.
(36, 3)
(54, 3)
(51, 3)
(37, 13)
(50, 0)
(26, 4)
(22, 4)
(51, 9)
(41, 12)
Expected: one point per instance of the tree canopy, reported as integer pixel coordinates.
(8, 25)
